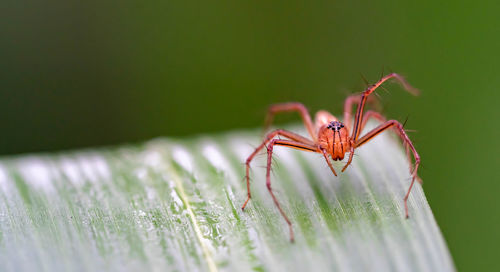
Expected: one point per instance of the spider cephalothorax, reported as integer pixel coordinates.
(334, 138)
(331, 137)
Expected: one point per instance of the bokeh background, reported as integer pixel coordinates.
(90, 73)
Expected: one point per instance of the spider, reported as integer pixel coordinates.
(331, 137)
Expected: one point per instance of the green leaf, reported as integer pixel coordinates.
(174, 205)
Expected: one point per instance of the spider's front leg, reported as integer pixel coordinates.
(406, 140)
(299, 142)
(348, 104)
(357, 126)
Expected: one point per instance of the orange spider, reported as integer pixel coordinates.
(331, 137)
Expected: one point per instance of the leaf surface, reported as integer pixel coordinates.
(174, 205)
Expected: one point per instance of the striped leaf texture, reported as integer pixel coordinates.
(175, 205)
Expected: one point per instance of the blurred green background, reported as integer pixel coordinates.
(88, 73)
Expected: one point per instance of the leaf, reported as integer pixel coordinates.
(174, 205)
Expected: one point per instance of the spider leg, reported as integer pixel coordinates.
(364, 96)
(381, 118)
(381, 128)
(358, 119)
(328, 161)
(289, 107)
(351, 155)
(349, 102)
(270, 147)
(300, 143)
(372, 114)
